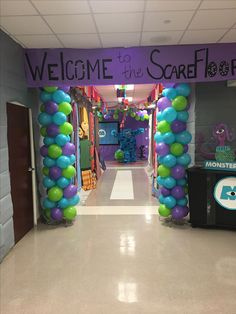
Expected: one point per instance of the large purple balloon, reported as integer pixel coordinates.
(178, 172)
(178, 126)
(56, 214)
(185, 148)
(163, 103)
(162, 149)
(55, 172)
(52, 130)
(70, 191)
(68, 149)
(186, 211)
(43, 151)
(51, 107)
(64, 88)
(178, 212)
(164, 191)
(178, 192)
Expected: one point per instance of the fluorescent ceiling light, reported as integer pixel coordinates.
(126, 87)
(120, 99)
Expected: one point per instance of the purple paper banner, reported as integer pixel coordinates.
(137, 65)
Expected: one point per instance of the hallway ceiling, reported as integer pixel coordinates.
(110, 23)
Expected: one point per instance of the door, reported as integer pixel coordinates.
(20, 168)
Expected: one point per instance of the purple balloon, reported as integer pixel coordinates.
(55, 173)
(178, 172)
(178, 192)
(178, 212)
(52, 130)
(168, 85)
(68, 149)
(178, 126)
(51, 107)
(186, 211)
(162, 149)
(188, 107)
(43, 151)
(70, 191)
(164, 191)
(163, 103)
(56, 214)
(64, 88)
(185, 148)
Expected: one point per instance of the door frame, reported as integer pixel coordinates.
(32, 151)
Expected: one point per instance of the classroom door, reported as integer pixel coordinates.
(20, 168)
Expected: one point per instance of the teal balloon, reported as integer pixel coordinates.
(67, 98)
(184, 160)
(48, 204)
(160, 180)
(182, 182)
(158, 137)
(169, 183)
(183, 137)
(169, 161)
(63, 203)
(59, 96)
(63, 182)
(183, 89)
(72, 159)
(48, 140)
(74, 200)
(169, 93)
(49, 162)
(63, 162)
(182, 201)
(170, 201)
(61, 139)
(183, 116)
(45, 97)
(169, 114)
(168, 138)
(48, 182)
(162, 199)
(44, 118)
(160, 116)
(160, 159)
(59, 118)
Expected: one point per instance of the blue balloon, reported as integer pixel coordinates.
(48, 204)
(182, 116)
(168, 138)
(170, 93)
(160, 180)
(63, 203)
(45, 96)
(61, 139)
(63, 182)
(170, 201)
(74, 200)
(169, 114)
(44, 118)
(59, 118)
(182, 182)
(67, 98)
(169, 161)
(48, 183)
(63, 162)
(161, 199)
(49, 162)
(59, 96)
(184, 160)
(72, 159)
(169, 183)
(158, 137)
(182, 201)
(160, 116)
(48, 140)
(160, 159)
(183, 89)
(183, 137)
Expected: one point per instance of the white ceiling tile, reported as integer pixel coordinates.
(117, 6)
(80, 41)
(120, 39)
(73, 24)
(213, 19)
(218, 4)
(161, 38)
(230, 37)
(119, 22)
(25, 25)
(39, 41)
(62, 7)
(8, 8)
(164, 21)
(202, 37)
(172, 5)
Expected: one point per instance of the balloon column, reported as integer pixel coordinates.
(59, 155)
(172, 145)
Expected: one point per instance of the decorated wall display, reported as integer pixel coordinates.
(172, 140)
(58, 154)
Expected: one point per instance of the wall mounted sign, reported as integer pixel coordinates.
(218, 165)
(137, 65)
(225, 193)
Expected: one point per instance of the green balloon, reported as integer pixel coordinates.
(69, 212)
(100, 119)
(115, 116)
(137, 118)
(132, 114)
(179, 103)
(65, 107)
(42, 108)
(55, 194)
(164, 211)
(176, 149)
(119, 154)
(43, 131)
(45, 171)
(54, 151)
(146, 117)
(47, 213)
(163, 171)
(66, 128)
(69, 172)
(50, 89)
(142, 118)
(163, 127)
